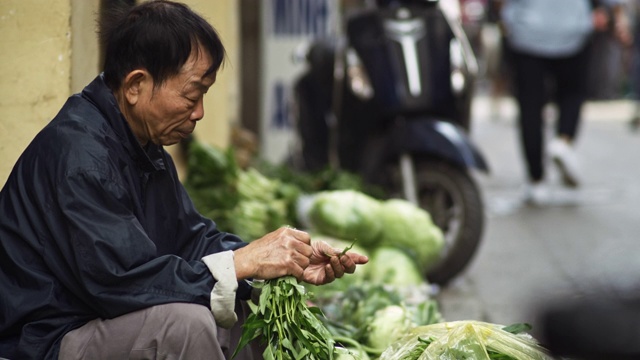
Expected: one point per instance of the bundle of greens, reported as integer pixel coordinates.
(290, 328)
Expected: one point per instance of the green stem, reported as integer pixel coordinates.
(346, 340)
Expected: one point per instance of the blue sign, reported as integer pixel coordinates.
(301, 17)
(281, 117)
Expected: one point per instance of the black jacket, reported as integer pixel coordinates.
(94, 226)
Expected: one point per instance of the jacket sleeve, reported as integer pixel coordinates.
(199, 236)
(201, 239)
(114, 264)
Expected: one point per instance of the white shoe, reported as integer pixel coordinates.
(537, 194)
(565, 158)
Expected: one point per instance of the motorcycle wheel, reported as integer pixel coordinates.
(453, 200)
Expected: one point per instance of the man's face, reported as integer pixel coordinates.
(166, 114)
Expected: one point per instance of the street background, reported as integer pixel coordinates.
(583, 243)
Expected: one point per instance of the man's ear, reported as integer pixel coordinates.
(136, 83)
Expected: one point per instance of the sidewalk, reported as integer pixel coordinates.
(484, 108)
(530, 255)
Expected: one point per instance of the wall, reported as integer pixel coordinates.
(84, 43)
(48, 50)
(221, 105)
(35, 48)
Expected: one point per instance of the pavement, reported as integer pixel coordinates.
(584, 242)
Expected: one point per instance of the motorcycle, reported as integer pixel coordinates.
(390, 100)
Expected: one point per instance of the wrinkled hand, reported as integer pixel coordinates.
(288, 251)
(328, 263)
(285, 251)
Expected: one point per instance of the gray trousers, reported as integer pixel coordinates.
(170, 331)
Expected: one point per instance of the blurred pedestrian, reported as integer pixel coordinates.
(610, 55)
(549, 45)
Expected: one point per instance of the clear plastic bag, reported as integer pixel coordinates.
(459, 340)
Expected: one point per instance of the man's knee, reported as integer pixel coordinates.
(185, 330)
(176, 330)
(185, 320)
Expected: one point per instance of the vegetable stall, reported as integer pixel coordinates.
(385, 310)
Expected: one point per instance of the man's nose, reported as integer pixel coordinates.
(198, 111)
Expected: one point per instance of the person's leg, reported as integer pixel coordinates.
(570, 74)
(170, 331)
(529, 75)
(571, 81)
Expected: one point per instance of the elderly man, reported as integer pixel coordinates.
(102, 253)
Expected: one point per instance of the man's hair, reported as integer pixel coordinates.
(158, 36)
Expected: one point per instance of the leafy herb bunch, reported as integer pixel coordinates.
(284, 321)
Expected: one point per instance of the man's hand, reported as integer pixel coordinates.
(328, 263)
(285, 251)
(288, 251)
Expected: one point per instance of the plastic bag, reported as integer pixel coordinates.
(464, 340)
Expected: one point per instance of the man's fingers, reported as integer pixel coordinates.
(297, 272)
(347, 264)
(302, 248)
(330, 275)
(298, 235)
(300, 259)
(357, 259)
(336, 266)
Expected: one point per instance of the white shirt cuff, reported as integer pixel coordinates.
(223, 294)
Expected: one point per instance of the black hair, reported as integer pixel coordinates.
(157, 36)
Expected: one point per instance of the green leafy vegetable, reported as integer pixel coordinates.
(356, 352)
(409, 227)
(244, 202)
(388, 324)
(393, 266)
(321, 180)
(351, 312)
(346, 214)
(284, 321)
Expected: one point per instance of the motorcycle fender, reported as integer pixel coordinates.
(441, 139)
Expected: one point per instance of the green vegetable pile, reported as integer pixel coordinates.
(253, 201)
(374, 322)
(367, 317)
(408, 227)
(383, 228)
(382, 311)
(243, 202)
(347, 214)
